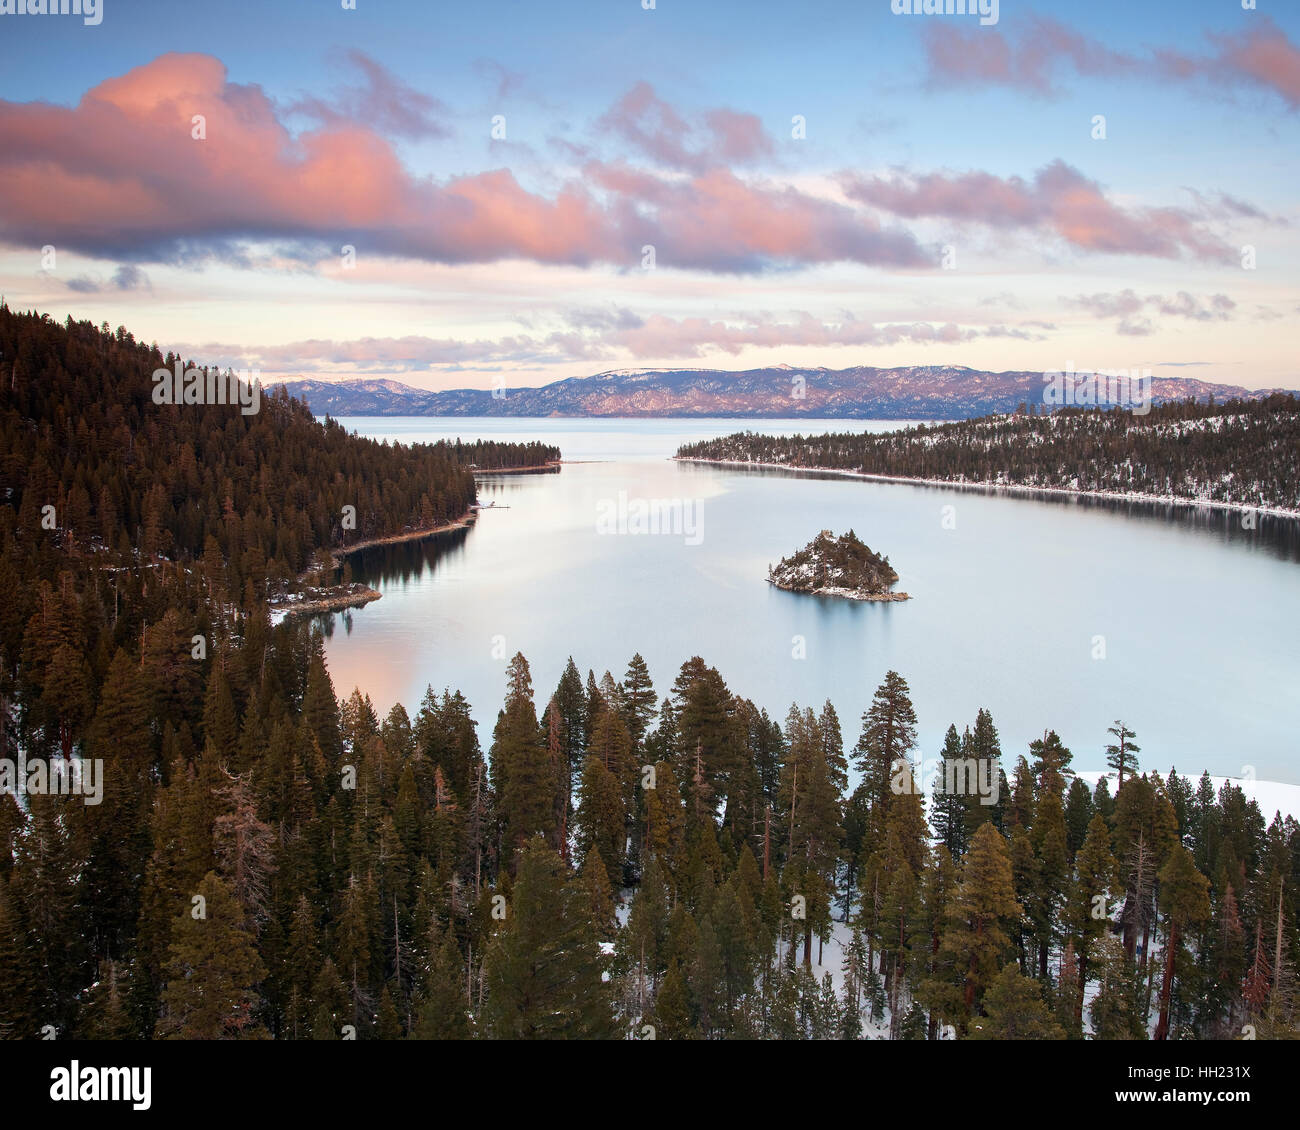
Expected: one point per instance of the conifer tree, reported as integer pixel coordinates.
(948, 809)
(1184, 895)
(212, 971)
(600, 818)
(888, 737)
(1014, 1010)
(1121, 754)
(524, 781)
(20, 1002)
(600, 897)
(544, 967)
(440, 1010)
(638, 699)
(975, 943)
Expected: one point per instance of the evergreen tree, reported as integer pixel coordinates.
(1121, 754)
(212, 971)
(543, 967)
(1014, 1010)
(1184, 895)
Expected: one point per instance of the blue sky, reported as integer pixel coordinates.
(823, 249)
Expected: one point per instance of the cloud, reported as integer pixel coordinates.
(1135, 327)
(597, 333)
(120, 175)
(384, 104)
(388, 354)
(716, 221)
(660, 336)
(1127, 303)
(126, 277)
(1260, 58)
(1059, 199)
(957, 55)
(656, 130)
(505, 82)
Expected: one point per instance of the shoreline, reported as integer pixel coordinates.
(532, 469)
(1010, 488)
(463, 522)
(331, 601)
(338, 597)
(847, 594)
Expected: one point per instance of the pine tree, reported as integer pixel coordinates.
(888, 737)
(948, 809)
(1116, 1009)
(1121, 755)
(1014, 1010)
(543, 967)
(600, 899)
(212, 971)
(1087, 912)
(440, 1011)
(638, 699)
(1184, 894)
(976, 941)
(601, 823)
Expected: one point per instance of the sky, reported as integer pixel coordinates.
(509, 193)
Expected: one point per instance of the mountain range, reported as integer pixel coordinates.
(925, 392)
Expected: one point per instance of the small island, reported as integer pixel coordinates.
(843, 566)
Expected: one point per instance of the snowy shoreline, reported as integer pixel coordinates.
(1010, 488)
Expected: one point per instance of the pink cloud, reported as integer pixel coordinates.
(656, 130)
(119, 174)
(1059, 199)
(1261, 57)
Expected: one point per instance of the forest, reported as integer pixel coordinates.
(270, 858)
(1239, 451)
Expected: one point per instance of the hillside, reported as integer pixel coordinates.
(929, 392)
(134, 480)
(1240, 453)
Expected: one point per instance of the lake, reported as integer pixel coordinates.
(1052, 613)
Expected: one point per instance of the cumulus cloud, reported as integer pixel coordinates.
(119, 174)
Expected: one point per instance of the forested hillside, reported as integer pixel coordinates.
(80, 432)
(1241, 452)
(383, 874)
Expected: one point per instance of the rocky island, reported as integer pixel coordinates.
(843, 566)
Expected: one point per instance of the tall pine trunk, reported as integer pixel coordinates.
(1162, 1026)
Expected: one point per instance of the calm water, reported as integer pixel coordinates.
(1012, 598)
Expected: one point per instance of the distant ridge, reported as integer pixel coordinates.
(915, 392)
